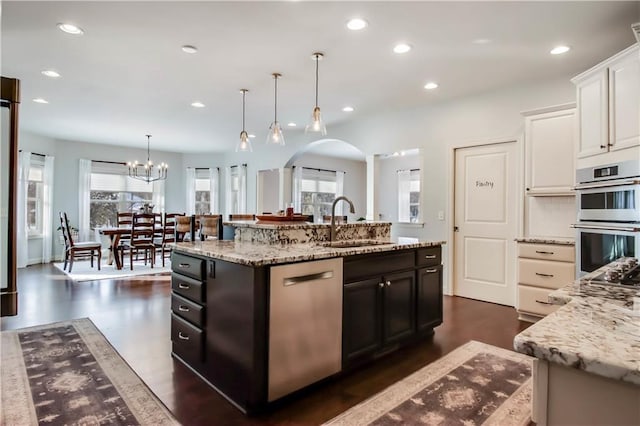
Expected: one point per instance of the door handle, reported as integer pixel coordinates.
(455, 229)
(544, 275)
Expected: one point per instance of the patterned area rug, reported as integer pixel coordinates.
(66, 373)
(476, 384)
(82, 270)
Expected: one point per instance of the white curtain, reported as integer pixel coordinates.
(22, 234)
(157, 199)
(228, 193)
(47, 209)
(84, 199)
(340, 190)
(242, 188)
(190, 191)
(297, 188)
(404, 189)
(214, 189)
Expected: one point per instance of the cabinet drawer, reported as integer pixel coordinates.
(429, 256)
(535, 300)
(543, 273)
(188, 287)
(363, 266)
(187, 265)
(188, 310)
(547, 252)
(186, 339)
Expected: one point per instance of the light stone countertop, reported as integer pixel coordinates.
(547, 240)
(597, 330)
(251, 254)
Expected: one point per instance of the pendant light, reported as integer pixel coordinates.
(316, 125)
(275, 136)
(149, 174)
(244, 144)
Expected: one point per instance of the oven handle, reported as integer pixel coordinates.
(606, 184)
(607, 227)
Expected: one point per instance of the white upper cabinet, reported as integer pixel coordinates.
(550, 136)
(608, 97)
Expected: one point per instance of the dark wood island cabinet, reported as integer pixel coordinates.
(220, 315)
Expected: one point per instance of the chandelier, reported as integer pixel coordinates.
(147, 171)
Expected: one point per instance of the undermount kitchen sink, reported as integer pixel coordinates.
(354, 243)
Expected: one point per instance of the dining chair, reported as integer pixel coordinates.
(143, 227)
(73, 249)
(210, 227)
(183, 228)
(168, 234)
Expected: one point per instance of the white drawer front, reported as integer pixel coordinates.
(535, 300)
(547, 252)
(542, 273)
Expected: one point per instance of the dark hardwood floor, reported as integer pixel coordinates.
(133, 313)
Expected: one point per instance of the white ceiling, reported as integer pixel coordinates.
(127, 76)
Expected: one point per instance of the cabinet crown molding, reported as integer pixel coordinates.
(552, 108)
(605, 63)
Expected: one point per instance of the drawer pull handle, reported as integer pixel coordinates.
(182, 308)
(311, 277)
(381, 285)
(544, 275)
(388, 283)
(182, 336)
(184, 265)
(544, 303)
(430, 256)
(543, 252)
(431, 271)
(183, 286)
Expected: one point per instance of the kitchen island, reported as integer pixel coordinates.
(587, 367)
(259, 321)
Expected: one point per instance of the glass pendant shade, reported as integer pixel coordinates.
(244, 144)
(275, 136)
(316, 125)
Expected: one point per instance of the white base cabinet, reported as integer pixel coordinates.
(542, 268)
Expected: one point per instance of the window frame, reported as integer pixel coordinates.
(36, 163)
(318, 207)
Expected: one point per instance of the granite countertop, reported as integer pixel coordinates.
(597, 330)
(271, 254)
(259, 224)
(547, 240)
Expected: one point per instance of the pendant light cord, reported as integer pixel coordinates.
(275, 97)
(244, 92)
(317, 79)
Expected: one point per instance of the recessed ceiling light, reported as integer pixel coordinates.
(51, 73)
(187, 48)
(292, 124)
(431, 85)
(252, 136)
(481, 41)
(558, 50)
(347, 109)
(357, 24)
(71, 29)
(402, 48)
(197, 104)
(40, 101)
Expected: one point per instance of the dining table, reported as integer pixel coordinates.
(114, 234)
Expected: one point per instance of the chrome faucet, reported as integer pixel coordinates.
(332, 236)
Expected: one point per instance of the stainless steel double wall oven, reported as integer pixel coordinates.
(608, 202)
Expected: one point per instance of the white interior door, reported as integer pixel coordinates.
(485, 219)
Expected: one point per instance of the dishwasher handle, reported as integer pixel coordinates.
(305, 278)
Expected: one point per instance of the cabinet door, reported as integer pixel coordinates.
(593, 115)
(361, 318)
(624, 102)
(429, 297)
(550, 139)
(398, 306)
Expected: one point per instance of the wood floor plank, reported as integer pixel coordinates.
(133, 313)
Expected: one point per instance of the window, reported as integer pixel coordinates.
(35, 194)
(115, 192)
(203, 192)
(409, 195)
(236, 187)
(318, 191)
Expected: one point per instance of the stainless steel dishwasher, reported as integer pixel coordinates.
(305, 324)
